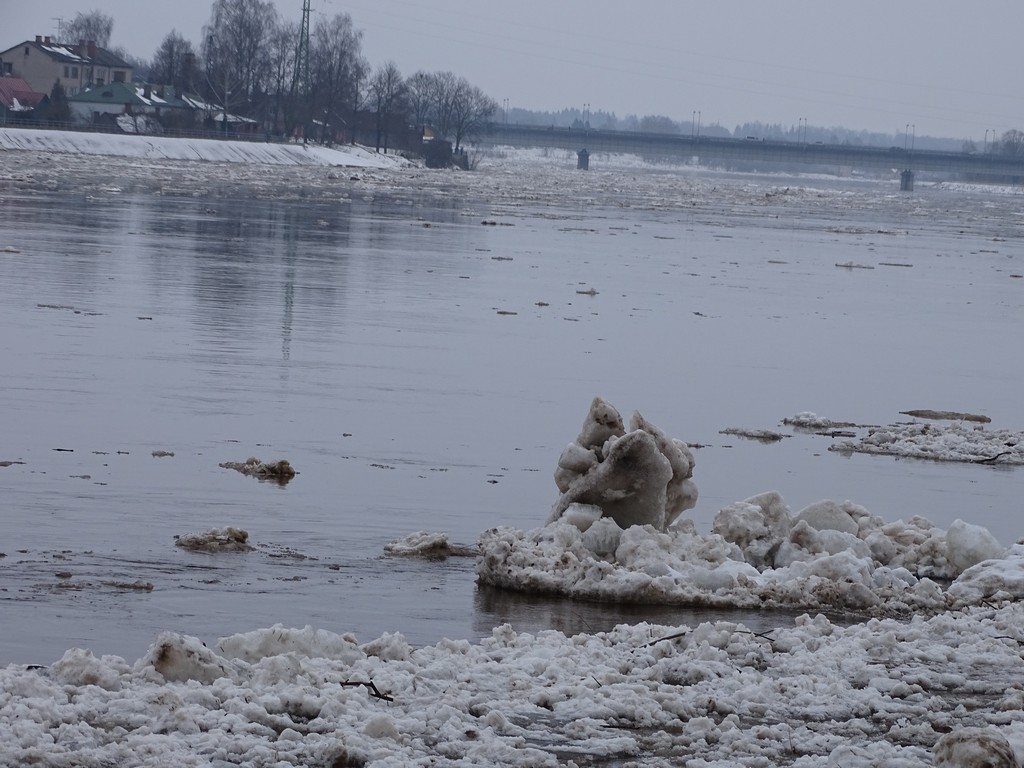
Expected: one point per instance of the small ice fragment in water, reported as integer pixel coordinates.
(432, 546)
(279, 471)
(215, 540)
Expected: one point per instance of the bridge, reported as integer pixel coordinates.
(758, 154)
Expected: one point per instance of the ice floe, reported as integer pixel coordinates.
(612, 536)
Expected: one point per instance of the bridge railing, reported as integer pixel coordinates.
(1006, 167)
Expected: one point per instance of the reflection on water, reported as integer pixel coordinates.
(536, 613)
(422, 371)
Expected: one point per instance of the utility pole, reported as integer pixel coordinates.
(300, 83)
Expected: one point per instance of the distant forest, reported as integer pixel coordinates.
(600, 120)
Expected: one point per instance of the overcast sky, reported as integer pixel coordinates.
(948, 68)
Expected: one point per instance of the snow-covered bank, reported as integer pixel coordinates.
(210, 150)
(810, 694)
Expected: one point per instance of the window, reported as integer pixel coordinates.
(119, 76)
(67, 71)
(74, 71)
(8, 70)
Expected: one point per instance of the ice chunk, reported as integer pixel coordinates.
(970, 544)
(827, 515)
(630, 485)
(642, 477)
(757, 525)
(970, 747)
(602, 422)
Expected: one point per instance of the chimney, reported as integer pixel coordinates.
(47, 40)
(81, 48)
(92, 49)
(39, 38)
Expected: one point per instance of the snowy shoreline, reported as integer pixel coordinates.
(812, 694)
(209, 150)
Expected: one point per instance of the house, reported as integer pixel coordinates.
(141, 104)
(18, 100)
(43, 62)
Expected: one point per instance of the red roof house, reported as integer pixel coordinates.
(16, 96)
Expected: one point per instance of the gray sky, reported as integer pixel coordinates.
(948, 68)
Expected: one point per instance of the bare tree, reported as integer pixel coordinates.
(94, 25)
(452, 107)
(1012, 143)
(337, 69)
(235, 50)
(442, 87)
(417, 98)
(386, 92)
(283, 45)
(470, 112)
(173, 62)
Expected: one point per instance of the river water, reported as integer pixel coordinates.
(421, 347)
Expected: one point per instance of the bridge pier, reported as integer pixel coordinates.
(907, 181)
(582, 160)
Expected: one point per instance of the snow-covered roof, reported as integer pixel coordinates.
(75, 54)
(62, 52)
(127, 93)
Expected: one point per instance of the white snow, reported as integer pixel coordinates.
(810, 693)
(211, 150)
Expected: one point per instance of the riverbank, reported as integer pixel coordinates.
(210, 150)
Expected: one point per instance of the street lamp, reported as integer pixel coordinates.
(906, 137)
(698, 123)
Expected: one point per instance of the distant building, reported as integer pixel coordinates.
(43, 62)
(107, 101)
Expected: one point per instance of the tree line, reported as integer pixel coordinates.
(250, 62)
(1009, 143)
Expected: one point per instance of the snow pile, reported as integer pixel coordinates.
(949, 442)
(637, 478)
(830, 556)
(879, 693)
(162, 148)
